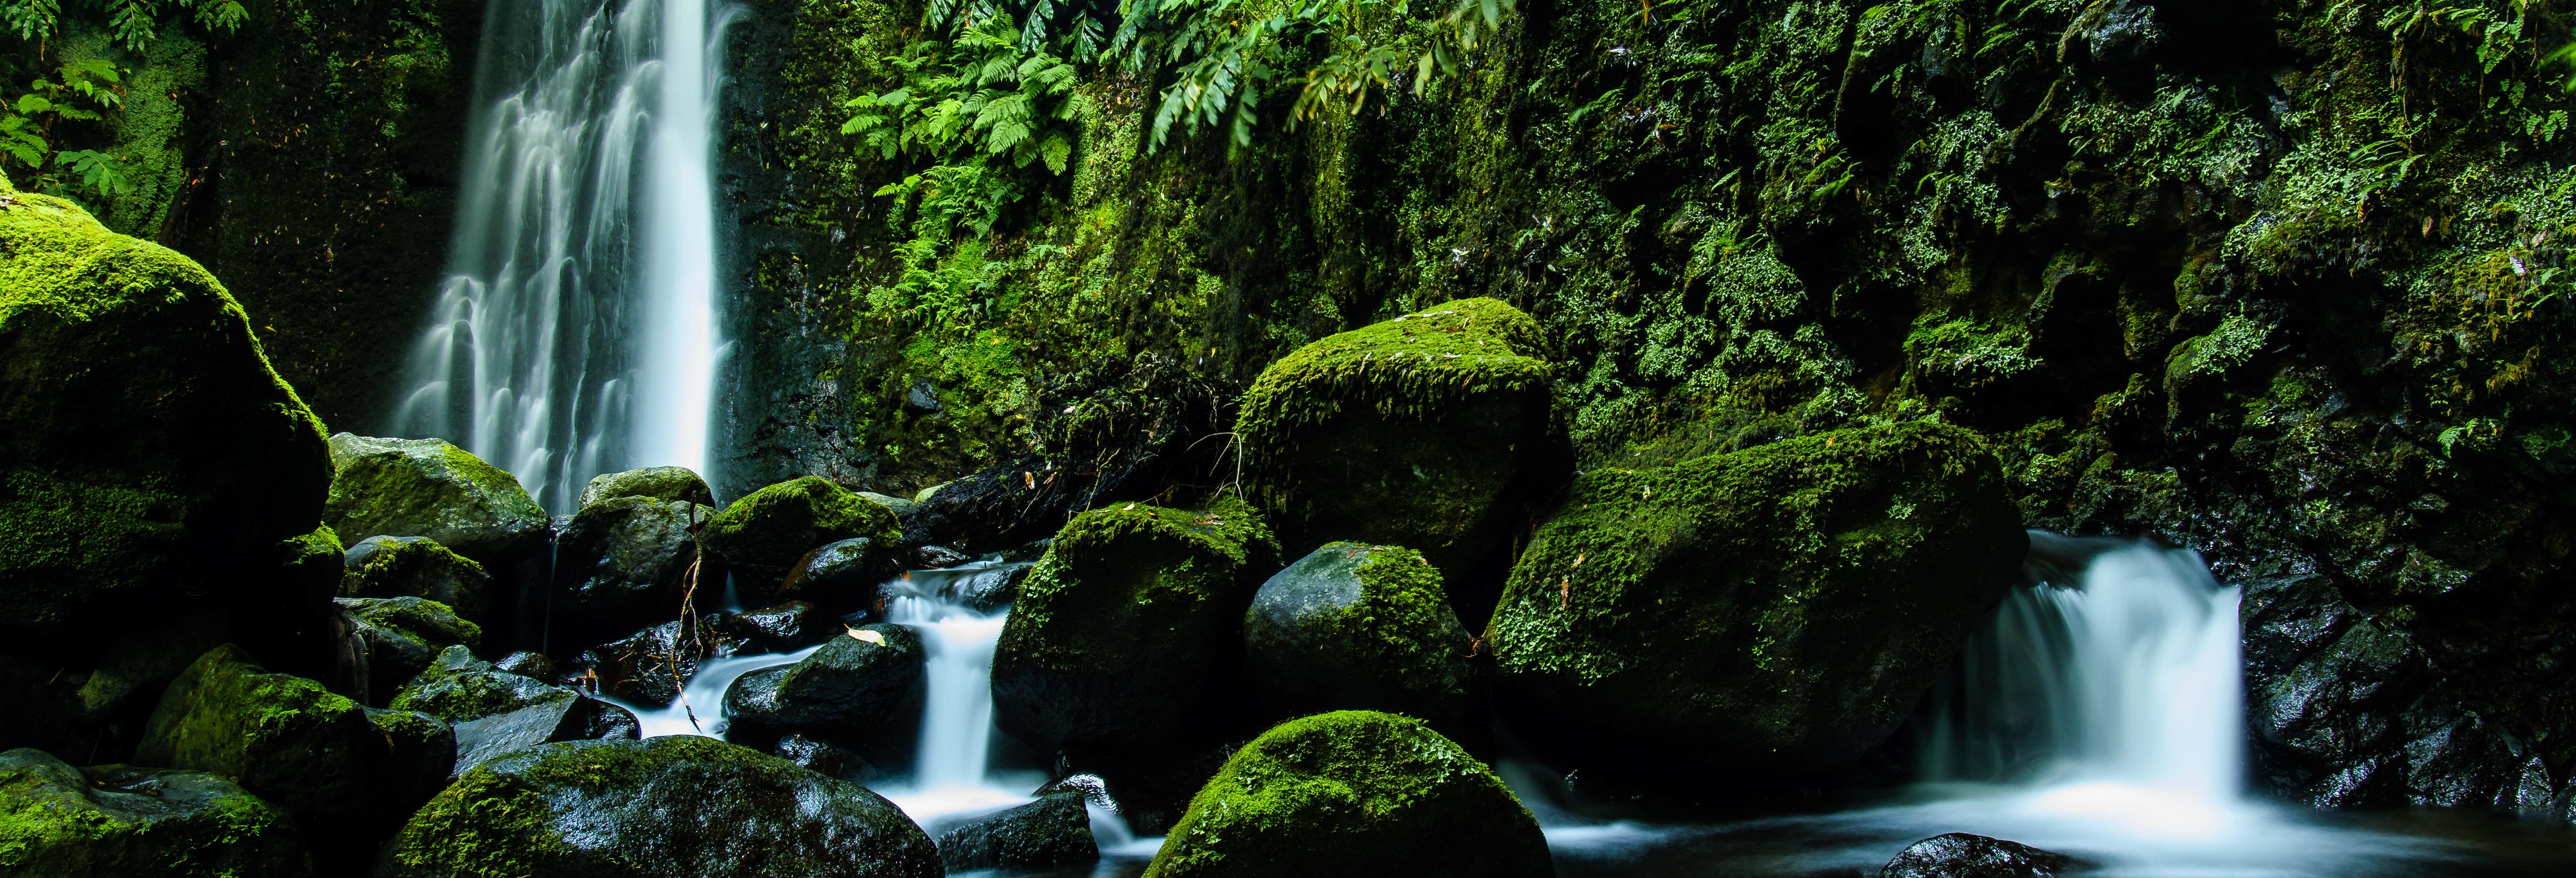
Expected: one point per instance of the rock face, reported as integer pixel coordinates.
(1359, 627)
(763, 534)
(392, 567)
(1772, 612)
(660, 483)
(1961, 855)
(150, 450)
(1413, 432)
(1052, 831)
(497, 712)
(291, 742)
(388, 641)
(626, 561)
(668, 806)
(428, 488)
(844, 691)
(116, 820)
(1353, 793)
(1124, 625)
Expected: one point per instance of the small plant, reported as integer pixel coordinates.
(28, 130)
(132, 22)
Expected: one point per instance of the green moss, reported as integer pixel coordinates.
(1132, 570)
(1403, 621)
(769, 529)
(1355, 793)
(421, 568)
(60, 822)
(485, 825)
(433, 489)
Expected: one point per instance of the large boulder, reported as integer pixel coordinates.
(150, 452)
(672, 806)
(1055, 830)
(763, 534)
(844, 691)
(1962, 855)
(392, 567)
(322, 757)
(1419, 431)
(496, 711)
(429, 488)
(1772, 612)
(387, 641)
(98, 703)
(1125, 625)
(112, 821)
(1353, 793)
(1359, 627)
(626, 561)
(661, 483)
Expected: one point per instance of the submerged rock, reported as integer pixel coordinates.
(392, 567)
(844, 691)
(150, 450)
(626, 561)
(1353, 793)
(1417, 431)
(679, 805)
(657, 483)
(497, 712)
(111, 821)
(1961, 855)
(388, 641)
(429, 488)
(764, 534)
(1123, 626)
(1774, 612)
(1359, 627)
(1052, 831)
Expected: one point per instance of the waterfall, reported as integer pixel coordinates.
(952, 770)
(563, 343)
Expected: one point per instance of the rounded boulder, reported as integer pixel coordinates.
(429, 488)
(763, 534)
(1359, 627)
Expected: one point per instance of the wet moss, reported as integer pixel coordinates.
(764, 533)
(57, 821)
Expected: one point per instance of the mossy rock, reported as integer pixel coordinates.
(150, 449)
(388, 641)
(1359, 627)
(1123, 626)
(112, 821)
(496, 712)
(429, 488)
(1353, 793)
(845, 691)
(665, 483)
(1417, 431)
(680, 805)
(285, 738)
(625, 561)
(418, 567)
(1775, 611)
(763, 534)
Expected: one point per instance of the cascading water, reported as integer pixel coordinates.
(576, 332)
(952, 771)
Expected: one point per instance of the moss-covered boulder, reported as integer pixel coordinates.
(1417, 431)
(1124, 625)
(844, 691)
(1359, 627)
(664, 483)
(429, 488)
(496, 711)
(845, 576)
(1775, 611)
(626, 561)
(1353, 793)
(385, 642)
(395, 567)
(671, 806)
(112, 821)
(150, 451)
(763, 534)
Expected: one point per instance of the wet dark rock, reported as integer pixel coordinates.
(626, 561)
(1358, 627)
(842, 577)
(1055, 830)
(122, 820)
(1961, 855)
(392, 567)
(388, 641)
(786, 627)
(942, 556)
(67, 702)
(844, 691)
(645, 668)
(496, 712)
(429, 488)
(660, 483)
(1091, 787)
(824, 757)
(765, 535)
(527, 664)
(680, 805)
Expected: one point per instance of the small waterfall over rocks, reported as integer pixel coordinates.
(575, 333)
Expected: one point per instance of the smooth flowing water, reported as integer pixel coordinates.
(576, 331)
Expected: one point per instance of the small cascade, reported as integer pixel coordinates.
(959, 625)
(700, 708)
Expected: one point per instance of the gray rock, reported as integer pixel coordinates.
(497, 712)
(787, 627)
(387, 641)
(842, 576)
(901, 507)
(658, 483)
(843, 691)
(393, 567)
(429, 488)
(1052, 831)
(121, 820)
(1357, 627)
(1961, 855)
(824, 757)
(625, 561)
(534, 665)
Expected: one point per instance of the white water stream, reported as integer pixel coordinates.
(576, 331)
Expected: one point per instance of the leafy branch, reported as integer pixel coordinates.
(131, 22)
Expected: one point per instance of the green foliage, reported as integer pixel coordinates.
(88, 89)
(983, 96)
(133, 22)
(1223, 58)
